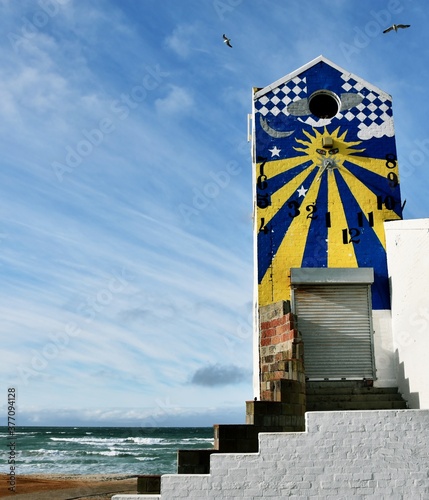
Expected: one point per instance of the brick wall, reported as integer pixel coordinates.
(370, 454)
(281, 350)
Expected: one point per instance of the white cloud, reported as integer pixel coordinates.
(183, 39)
(178, 100)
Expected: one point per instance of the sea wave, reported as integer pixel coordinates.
(196, 440)
(88, 440)
(20, 433)
(146, 441)
(44, 452)
(110, 450)
(112, 453)
(101, 441)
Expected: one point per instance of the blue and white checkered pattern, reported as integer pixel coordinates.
(374, 110)
(277, 100)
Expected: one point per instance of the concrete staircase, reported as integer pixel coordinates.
(352, 395)
(284, 415)
(365, 454)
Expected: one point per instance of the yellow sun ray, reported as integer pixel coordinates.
(275, 284)
(279, 198)
(291, 251)
(375, 165)
(339, 255)
(367, 202)
(273, 168)
(315, 141)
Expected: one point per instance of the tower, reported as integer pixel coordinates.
(325, 181)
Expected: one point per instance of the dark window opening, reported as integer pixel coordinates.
(324, 104)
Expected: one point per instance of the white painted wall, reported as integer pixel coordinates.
(384, 352)
(408, 264)
(369, 454)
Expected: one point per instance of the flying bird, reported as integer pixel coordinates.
(227, 40)
(395, 27)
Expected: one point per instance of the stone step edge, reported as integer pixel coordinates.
(355, 397)
(336, 408)
(136, 497)
(352, 390)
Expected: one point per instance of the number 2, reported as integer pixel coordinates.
(312, 209)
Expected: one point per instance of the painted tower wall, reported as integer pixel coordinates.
(408, 263)
(324, 185)
(321, 204)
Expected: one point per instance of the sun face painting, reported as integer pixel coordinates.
(326, 177)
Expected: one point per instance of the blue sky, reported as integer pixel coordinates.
(126, 252)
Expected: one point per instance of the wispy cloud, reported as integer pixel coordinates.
(184, 39)
(135, 266)
(178, 100)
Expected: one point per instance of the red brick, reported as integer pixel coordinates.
(273, 322)
(279, 321)
(269, 332)
(283, 328)
(286, 336)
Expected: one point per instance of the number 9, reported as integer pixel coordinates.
(393, 179)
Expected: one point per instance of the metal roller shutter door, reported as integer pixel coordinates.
(336, 327)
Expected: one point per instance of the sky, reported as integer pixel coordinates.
(126, 247)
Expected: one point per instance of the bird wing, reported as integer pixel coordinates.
(403, 25)
(388, 29)
(227, 40)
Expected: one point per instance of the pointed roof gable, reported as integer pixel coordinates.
(322, 61)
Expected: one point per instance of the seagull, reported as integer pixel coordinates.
(396, 26)
(227, 41)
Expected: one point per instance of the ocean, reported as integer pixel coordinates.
(101, 450)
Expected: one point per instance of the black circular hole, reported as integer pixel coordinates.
(324, 105)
